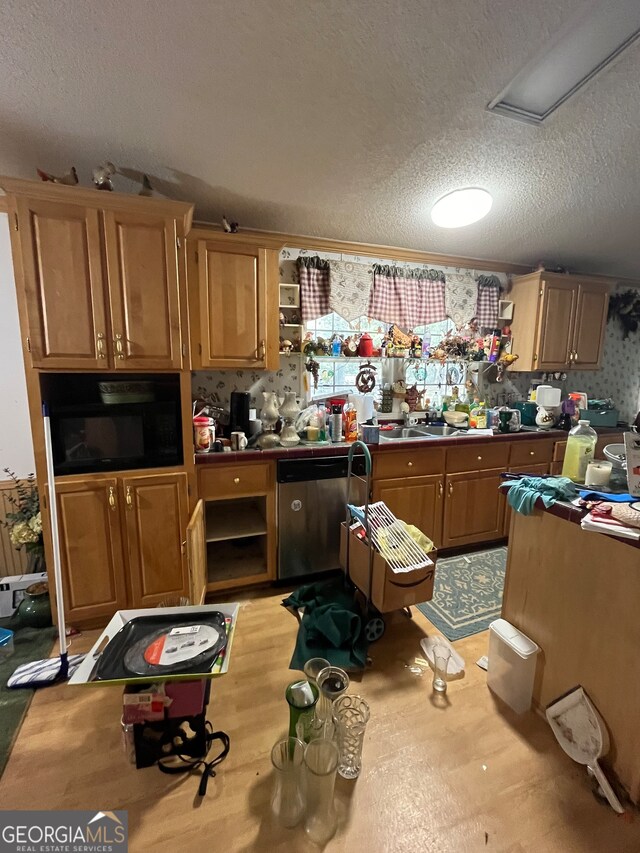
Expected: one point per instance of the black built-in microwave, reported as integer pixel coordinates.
(92, 437)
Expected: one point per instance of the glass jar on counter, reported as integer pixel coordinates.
(203, 433)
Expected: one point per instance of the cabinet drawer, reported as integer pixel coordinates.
(224, 481)
(530, 452)
(408, 463)
(478, 457)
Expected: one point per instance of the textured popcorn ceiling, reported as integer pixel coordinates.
(344, 119)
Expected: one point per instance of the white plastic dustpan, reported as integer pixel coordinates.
(582, 733)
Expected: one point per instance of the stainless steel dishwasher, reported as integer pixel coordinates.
(312, 497)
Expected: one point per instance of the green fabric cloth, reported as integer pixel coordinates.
(524, 493)
(29, 644)
(331, 627)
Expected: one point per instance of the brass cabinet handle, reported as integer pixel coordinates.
(117, 342)
(128, 498)
(112, 497)
(450, 489)
(236, 480)
(532, 453)
(409, 464)
(262, 350)
(440, 488)
(100, 345)
(479, 458)
(575, 355)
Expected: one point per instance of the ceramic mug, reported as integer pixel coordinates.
(238, 441)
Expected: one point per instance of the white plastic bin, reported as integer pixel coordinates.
(512, 665)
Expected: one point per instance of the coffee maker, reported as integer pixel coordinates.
(239, 412)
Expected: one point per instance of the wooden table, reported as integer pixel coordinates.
(576, 593)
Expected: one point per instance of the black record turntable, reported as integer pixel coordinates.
(164, 644)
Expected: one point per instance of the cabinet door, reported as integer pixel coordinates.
(63, 284)
(473, 508)
(155, 511)
(197, 555)
(142, 267)
(557, 319)
(591, 319)
(416, 500)
(238, 316)
(91, 554)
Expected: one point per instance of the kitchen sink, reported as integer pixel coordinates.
(416, 433)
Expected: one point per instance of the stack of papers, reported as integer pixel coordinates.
(602, 524)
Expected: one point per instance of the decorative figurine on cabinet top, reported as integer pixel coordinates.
(70, 179)
(102, 176)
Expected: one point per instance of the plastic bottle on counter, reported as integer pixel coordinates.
(581, 448)
(350, 423)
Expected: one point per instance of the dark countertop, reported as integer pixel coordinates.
(306, 451)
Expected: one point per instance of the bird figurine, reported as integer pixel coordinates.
(70, 179)
(147, 190)
(102, 176)
(229, 227)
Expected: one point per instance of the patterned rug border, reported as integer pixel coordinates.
(457, 628)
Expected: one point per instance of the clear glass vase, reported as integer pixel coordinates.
(287, 796)
(332, 683)
(321, 763)
(350, 715)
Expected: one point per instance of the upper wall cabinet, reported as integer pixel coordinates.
(558, 321)
(234, 295)
(100, 277)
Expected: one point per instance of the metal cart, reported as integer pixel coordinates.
(384, 533)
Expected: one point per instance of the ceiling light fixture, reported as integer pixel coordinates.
(586, 45)
(461, 207)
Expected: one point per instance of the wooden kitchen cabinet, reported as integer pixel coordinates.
(416, 500)
(558, 321)
(63, 294)
(101, 277)
(126, 541)
(91, 549)
(142, 268)
(473, 508)
(234, 310)
(156, 515)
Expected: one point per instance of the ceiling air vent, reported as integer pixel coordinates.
(588, 43)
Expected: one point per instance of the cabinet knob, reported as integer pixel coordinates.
(236, 480)
(479, 458)
(532, 453)
(409, 464)
(112, 497)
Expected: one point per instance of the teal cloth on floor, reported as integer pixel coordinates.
(331, 626)
(524, 493)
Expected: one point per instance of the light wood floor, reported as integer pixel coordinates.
(465, 777)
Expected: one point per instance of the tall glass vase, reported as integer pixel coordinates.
(287, 796)
(321, 763)
(332, 683)
(351, 715)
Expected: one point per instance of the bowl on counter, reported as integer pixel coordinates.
(455, 419)
(126, 392)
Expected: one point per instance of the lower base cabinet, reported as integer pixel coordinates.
(416, 500)
(123, 543)
(473, 508)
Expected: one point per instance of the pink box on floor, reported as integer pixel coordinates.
(187, 697)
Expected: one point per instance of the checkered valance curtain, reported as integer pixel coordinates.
(408, 297)
(487, 308)
(313, 276)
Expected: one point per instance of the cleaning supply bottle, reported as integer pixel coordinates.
(350, 423)
(581, 447)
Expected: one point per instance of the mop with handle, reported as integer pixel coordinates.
(43, 673)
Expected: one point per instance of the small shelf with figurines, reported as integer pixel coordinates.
(290, 319)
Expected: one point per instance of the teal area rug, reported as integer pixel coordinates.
(467, 593)
(29, 644)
